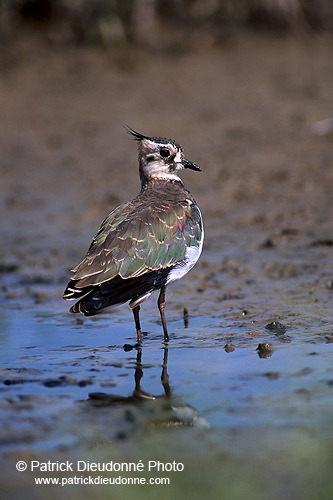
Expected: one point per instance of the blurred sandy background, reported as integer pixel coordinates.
(245, 87)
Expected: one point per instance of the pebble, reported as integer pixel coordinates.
(276, 327)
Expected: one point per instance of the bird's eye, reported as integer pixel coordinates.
(164, 152)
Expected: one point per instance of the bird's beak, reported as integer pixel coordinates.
(189, 164)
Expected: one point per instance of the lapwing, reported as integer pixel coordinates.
(144, 244)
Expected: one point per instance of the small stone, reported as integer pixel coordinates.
(276, 327)
(127, 347)
(264, 350)
(264, 346)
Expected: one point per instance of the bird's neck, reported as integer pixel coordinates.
(159, 180)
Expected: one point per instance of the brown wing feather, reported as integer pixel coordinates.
(134, 240)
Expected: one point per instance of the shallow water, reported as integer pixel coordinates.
(69, 387)
(216, 369)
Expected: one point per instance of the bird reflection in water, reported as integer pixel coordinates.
(152, 410)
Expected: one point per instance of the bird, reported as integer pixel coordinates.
(144, 244)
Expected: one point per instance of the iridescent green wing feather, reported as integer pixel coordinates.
(135, 240)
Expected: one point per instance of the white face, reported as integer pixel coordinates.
(161, 160)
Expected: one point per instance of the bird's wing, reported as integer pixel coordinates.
(135, 240)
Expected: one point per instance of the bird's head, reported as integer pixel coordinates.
(160, 158)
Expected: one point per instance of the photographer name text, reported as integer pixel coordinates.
(111, 466)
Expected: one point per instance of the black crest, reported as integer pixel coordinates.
(139, 137)
(136, 135)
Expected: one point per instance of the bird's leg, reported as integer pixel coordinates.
(161, 307)
(136, 311)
